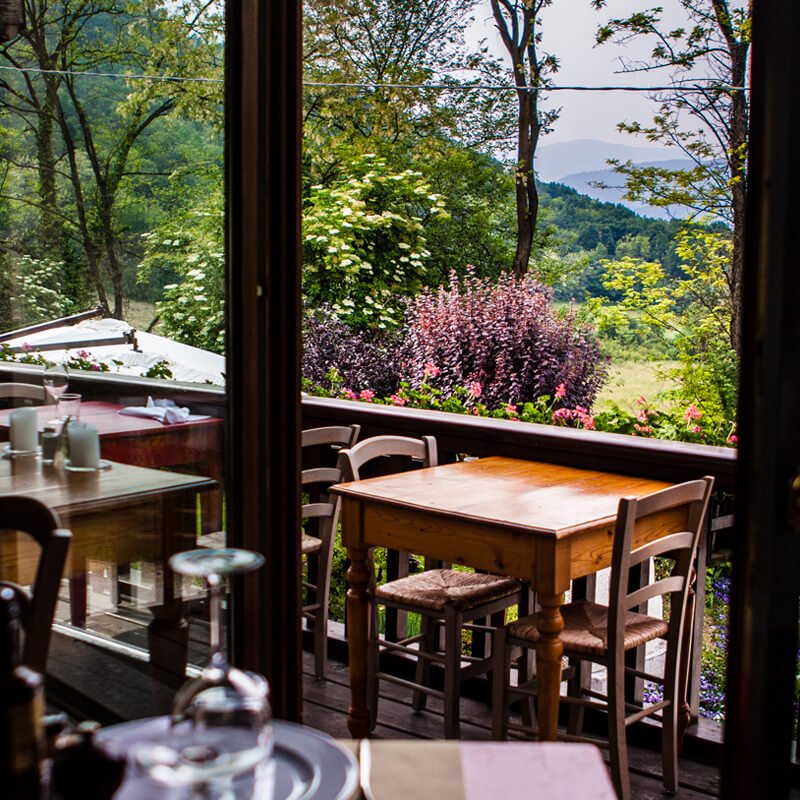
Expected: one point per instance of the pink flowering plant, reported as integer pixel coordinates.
(690, 423)
(27, 356)
(83, 359)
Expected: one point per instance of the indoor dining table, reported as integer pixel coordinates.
(544, 523)
(193, 446)
(117, 515)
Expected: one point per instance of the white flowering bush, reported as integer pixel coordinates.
(192, 310)
(364, 242)
(40, 293)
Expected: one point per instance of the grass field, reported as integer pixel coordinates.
(629, 380)
(140, 314)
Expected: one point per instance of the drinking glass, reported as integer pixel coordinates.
(55, 382)
(220, 740)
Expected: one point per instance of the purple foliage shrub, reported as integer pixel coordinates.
(506, 337)
(362, 359)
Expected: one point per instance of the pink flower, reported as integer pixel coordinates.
(510, 409)
(587, 420)
(431, 370)
(366, 394)
(349, 394)
(96, 367)
(26, 347)
(475, 389)
(697, 429)
(561, 390)
(564, 414)
(692, 412)
(642, 428)
(642, 401)
(397, 400)
(733, 439)
(84, 354)
(642, 416)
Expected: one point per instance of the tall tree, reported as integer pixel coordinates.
(705, 116)
(85, 136)
(520, 29)
(372, 58)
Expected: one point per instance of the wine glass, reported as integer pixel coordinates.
(55, 382)
(220, 741)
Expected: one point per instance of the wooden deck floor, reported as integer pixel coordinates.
(325, 708)
(79, 665)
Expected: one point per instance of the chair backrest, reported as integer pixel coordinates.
(684, 508)
(351, 461)
(317, 480)
(25, 391)
(29, 516)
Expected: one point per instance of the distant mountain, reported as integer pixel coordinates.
(612, 187)
(553, 161)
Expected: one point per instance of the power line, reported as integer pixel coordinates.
(695, 85)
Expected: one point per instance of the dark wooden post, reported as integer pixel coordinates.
(263, 146)
(766, 580)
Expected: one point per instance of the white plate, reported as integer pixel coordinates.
(9, 453)
(102, 465)
(309, 765)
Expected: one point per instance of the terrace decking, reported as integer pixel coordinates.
(80, 664)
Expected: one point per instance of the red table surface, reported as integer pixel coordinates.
(109, 422)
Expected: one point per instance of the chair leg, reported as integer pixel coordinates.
(525, 675)
(618, 745)
(454, 622)
(322, 597)
(423, 674)
(373, 664)
(501, 669)
(669, 733)
(575, 687)
(321, 640)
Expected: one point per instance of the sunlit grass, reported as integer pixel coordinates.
(629, 380)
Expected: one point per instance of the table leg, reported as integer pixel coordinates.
(548, 663)
(78, 587)
(168, 631)
(358, 616)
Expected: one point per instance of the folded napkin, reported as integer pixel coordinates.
(394, 769)
(165, 411)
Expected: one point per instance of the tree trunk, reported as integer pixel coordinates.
(738, 165)
(51, 235)
(518, 32)
(526, 195)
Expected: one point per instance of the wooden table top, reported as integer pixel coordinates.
(109, 422)
(507, 493)
(85, 492)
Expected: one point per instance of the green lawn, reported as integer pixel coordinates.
(140, 314)
(628, 380)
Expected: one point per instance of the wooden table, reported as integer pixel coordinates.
(196, 445)
(119, 515)
(544, 523)
(394, 769)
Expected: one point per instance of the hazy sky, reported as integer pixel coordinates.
(569, 28)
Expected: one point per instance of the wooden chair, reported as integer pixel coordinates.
(447, 598)
(23, 391)
(29, 516)
(323, 515)
(603, 634)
